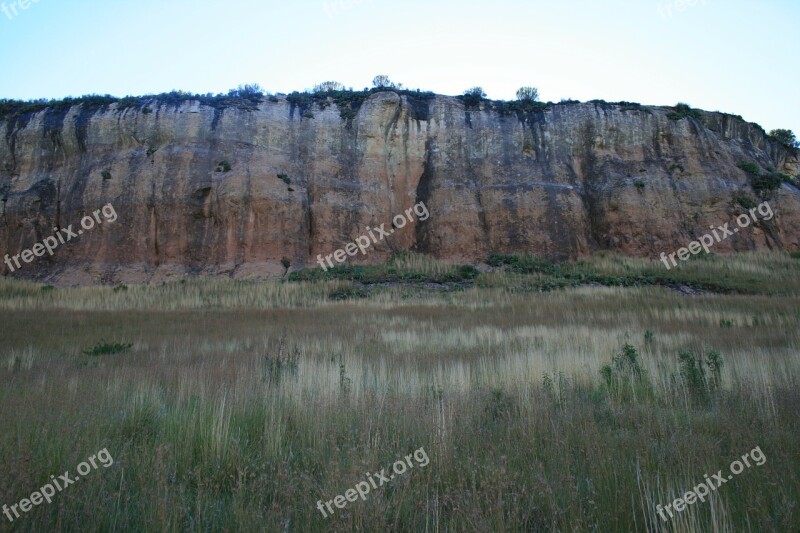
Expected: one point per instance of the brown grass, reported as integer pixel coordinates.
(502, 389)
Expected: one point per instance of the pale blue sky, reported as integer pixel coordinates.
(732, 55)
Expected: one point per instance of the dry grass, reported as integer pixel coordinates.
(502, 389)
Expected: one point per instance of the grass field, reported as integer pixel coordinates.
(572, 397)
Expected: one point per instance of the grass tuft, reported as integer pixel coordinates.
(105, 348)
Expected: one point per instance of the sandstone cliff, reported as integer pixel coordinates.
(226, 191)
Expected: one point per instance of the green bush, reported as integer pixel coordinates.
(473, 97)
(767, 183)
(251, 90)
(347, 113)
(744, 200)
(702, 378)
(528, 94)
(475, 92)
(763, 184)
(692, 372)
(463, 272)
(787, 178)
(633, 106)
(223, 166)
(301, 100)
(625, 379)
(520, 106)
(682, 111)
(785, 137)
(673, 168)
(104, 348)
(750, 168)
(328, 86)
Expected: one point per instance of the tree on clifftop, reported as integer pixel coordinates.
(475, 92)
(327, 86)
(382, 81)
(247, 90)
(528, 94)
(785, 137)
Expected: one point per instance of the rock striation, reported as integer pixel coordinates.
(250, 193)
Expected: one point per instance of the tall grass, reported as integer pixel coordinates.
(238, 406)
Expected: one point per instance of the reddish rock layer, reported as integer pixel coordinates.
(563, 183)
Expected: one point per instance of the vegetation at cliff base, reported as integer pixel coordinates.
(521, 273)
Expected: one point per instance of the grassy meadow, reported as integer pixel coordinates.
(572, 397)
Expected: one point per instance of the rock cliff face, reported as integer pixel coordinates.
(562, 182)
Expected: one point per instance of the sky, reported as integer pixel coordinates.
(729, 55)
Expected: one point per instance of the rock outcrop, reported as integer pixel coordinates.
(244, 192)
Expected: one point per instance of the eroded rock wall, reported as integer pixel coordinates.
(564, 183)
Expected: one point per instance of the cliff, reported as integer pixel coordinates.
(243, 190)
